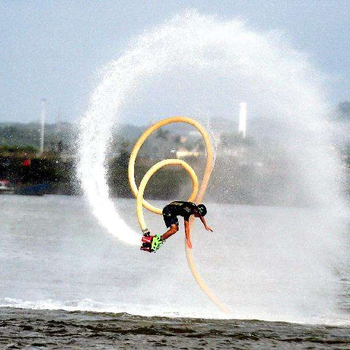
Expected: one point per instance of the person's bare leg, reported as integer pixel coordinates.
(172, 230)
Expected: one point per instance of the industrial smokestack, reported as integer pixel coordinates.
(42, 134)
(242, 128)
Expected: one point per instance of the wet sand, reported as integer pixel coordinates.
(47, 329)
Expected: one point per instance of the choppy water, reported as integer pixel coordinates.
(54, 256)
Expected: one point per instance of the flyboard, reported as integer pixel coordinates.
(196, 195)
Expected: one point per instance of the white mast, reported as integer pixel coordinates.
(242, 128)
(43, 114)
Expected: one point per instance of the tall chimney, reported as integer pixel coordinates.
(42, 133)
(242, 128)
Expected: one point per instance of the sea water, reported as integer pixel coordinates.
(55, 255)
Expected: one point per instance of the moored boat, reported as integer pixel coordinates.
(6, 188)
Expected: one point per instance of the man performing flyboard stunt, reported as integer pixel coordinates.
(170, 214)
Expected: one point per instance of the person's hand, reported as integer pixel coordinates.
(208, 228)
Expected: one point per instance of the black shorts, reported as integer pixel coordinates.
(169, 218)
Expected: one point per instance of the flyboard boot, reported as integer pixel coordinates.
(151, 243)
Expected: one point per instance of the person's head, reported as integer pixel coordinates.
(201, 210)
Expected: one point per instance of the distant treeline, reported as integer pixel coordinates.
(28, 135)
(245, 171)
(62, 136)
(231, 182)
(57, 173)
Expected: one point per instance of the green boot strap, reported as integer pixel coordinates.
(156, 242)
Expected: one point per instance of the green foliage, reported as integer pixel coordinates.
(344, 110)
(124, 155)
(162, 134)
(24, 135)
(18, 149)
(231, 139)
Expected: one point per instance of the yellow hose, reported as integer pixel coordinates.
(196, 196)
(146, 178)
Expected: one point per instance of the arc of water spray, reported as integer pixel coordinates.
(197, 193)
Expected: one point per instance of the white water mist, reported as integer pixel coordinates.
(195, 62)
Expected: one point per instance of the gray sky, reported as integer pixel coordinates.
(53, 49)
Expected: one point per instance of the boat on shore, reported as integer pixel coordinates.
(6, 188)
(32, 190)
(24, 190)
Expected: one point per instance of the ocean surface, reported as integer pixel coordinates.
(66, 283)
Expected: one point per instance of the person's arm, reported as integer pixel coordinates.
(205, 224)
(187, 234)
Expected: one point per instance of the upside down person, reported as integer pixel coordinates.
(170, 214)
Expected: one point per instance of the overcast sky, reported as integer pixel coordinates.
(53, 49)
